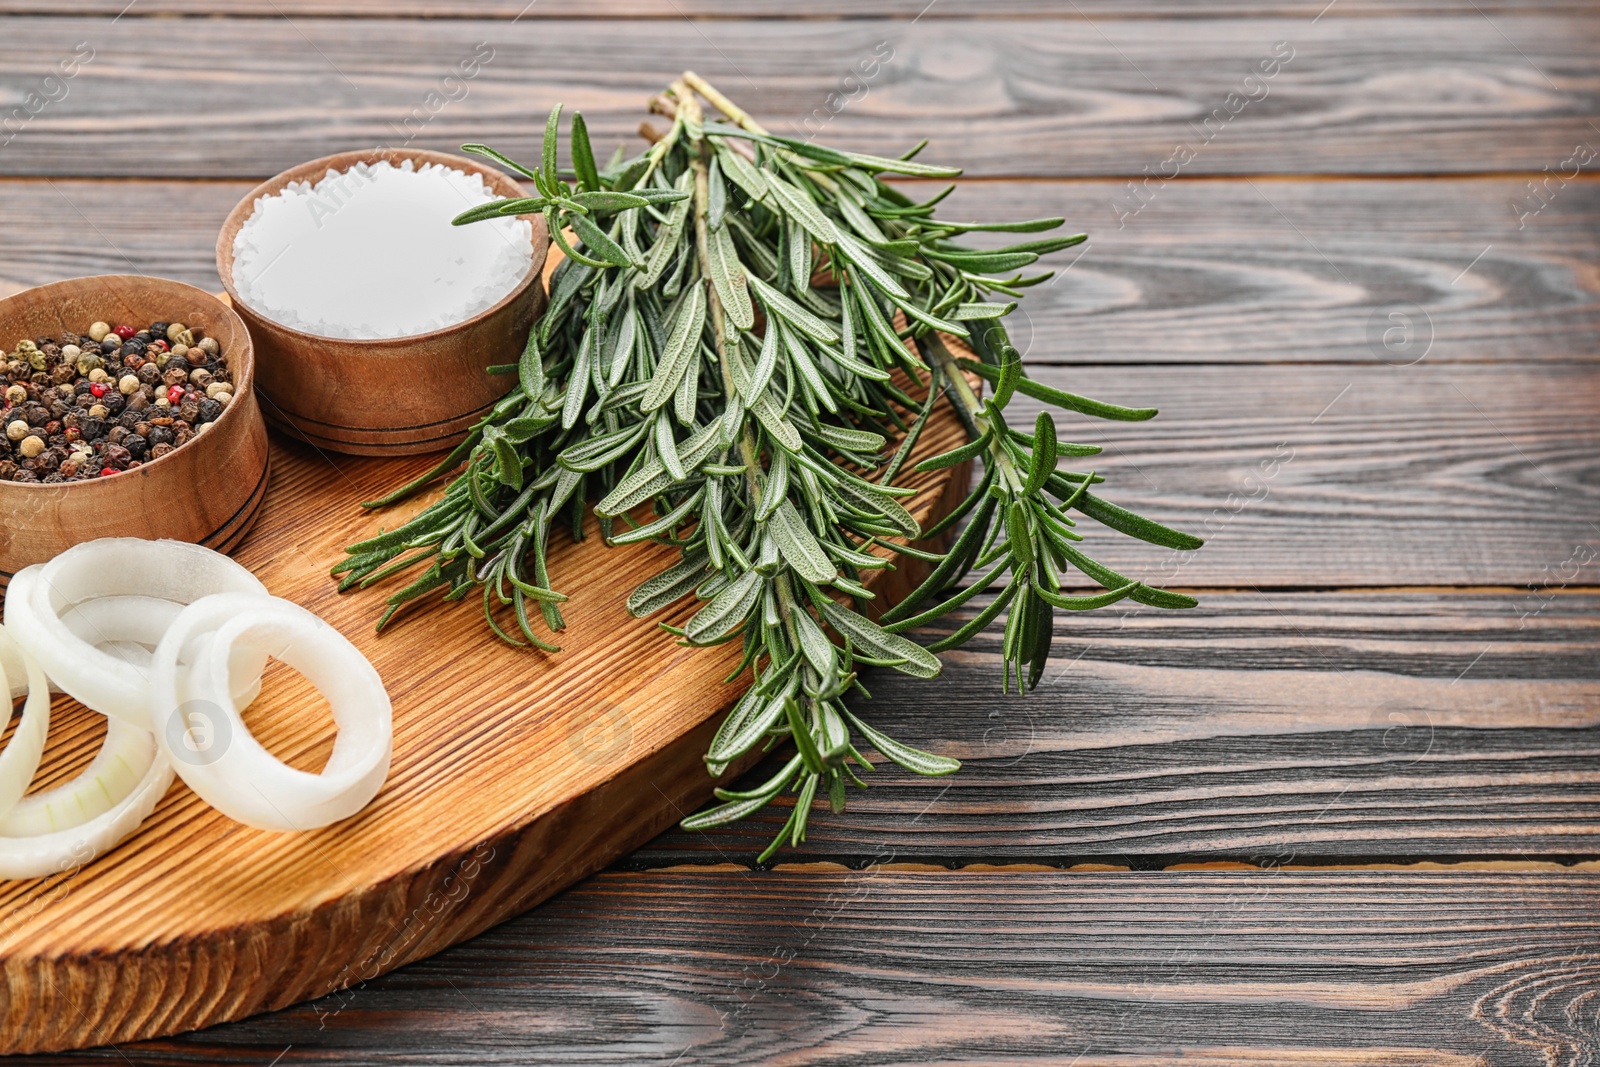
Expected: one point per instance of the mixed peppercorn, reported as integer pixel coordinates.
(79, 407)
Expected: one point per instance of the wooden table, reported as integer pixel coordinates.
(1347, 812)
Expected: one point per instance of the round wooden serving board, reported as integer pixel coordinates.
(515, 774)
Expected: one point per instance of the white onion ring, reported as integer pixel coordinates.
(35, 856)
(69, 825)
(110, 567)
(20, 760)
(130, 627)
(243, 780)
(14, 669)
(123, 761)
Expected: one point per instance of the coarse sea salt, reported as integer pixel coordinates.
(370, 252)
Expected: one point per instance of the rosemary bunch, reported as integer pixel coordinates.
(689, 360)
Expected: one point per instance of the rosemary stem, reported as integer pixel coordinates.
(742, 119)
(933, 343)
(689, 109)
(738, 114)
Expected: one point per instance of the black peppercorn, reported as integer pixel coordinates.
(75, 433)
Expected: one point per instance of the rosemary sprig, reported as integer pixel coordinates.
(695, 384)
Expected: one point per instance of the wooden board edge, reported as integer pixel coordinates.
(124, 997)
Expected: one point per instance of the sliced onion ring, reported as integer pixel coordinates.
(130, 627)
(35, 856)
(67, 826)
(14, 669)
(20, 760)
(123, 761)
(121, 566)
(238, 776)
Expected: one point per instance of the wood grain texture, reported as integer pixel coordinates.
(207, 491)
(1328, 476)
(514, 774)
(1214, 271)
(1273, 726)
(521, 10)
(876, 967)
(1002, 97)
(399, 395)
(1269, 729)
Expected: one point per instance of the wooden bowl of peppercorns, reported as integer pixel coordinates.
(113, 431)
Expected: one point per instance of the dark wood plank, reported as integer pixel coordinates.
(1215, 271)
(1275, 729)
(242, 97)
(1380, 474)
(1323, 476)
(519, 10)
(1348, 969)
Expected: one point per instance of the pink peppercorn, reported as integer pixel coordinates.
(106, 472)
(124, 332)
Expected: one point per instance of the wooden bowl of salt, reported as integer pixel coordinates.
(403, 378)
(206, 491)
